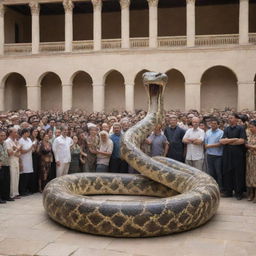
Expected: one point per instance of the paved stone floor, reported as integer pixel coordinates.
(25, 229)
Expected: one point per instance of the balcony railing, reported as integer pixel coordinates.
(174, 41)
(213, 40)
(135, 43)
(139, 42)
(252, 38)
(111, 43)
(52, 47)
(16, 49)
(83, 45)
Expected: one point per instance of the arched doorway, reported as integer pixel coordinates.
(51, 92)
(15, 93)
(114, 91)
(82, 91)
(140, 96)
(174, 96)
(219, 89)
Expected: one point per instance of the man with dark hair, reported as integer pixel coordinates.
(116, 164)
(174, 135)
(214, 151)
(61, 148)
(233, 158)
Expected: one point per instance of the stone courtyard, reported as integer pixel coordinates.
(26, 230)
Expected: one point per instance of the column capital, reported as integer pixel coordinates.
(124, 4)
(68, 5)
(97, 3)
(2, 9)
(34, 7)
(152, 3)
(191, 1)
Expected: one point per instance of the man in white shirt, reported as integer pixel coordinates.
(13, 149)
(61, 149)
(194, 138)
(27, 172)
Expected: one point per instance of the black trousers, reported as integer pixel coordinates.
(215, 168)
(118, 165)
(26, 184)
(5, 182)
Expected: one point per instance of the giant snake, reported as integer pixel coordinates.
(185, 197)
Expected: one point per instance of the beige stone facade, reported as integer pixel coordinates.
(91, 54)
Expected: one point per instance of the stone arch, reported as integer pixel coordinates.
(15, 92)
(219, 88)
(140, 96)
(51, 91)
(82, 91)
(114, 91)
(174, 96)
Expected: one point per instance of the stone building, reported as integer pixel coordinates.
(90, 54)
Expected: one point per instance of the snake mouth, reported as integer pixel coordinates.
(155, 92)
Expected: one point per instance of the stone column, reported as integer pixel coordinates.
(67, 96)
(246, 95)
(153, 23)
(35, 12)
(125, 16)
(97, 6)
(98, 97)
(191, 23)
(193, 96)
(34, 97)
(2, 11)
(129, 97)
(2, 99)
(68, 7)
(244, 22)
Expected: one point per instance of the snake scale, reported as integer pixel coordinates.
(184, 197)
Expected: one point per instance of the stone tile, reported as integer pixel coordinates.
(20, 246)
(84, 240)
(235, 248)
(160, 246)
(229, 235)
(49, 225)
(24, 221)
(57, 249)
(204, 246)
(30, 234)
(99, 252)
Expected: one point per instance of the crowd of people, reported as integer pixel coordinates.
(36, 147)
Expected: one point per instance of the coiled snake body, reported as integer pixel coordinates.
(187, 197)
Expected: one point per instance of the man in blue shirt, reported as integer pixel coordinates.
(214, 151)
(116, 164)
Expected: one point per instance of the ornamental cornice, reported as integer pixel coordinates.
(153, 3)
(34, 7)
(97, 3)
(2, 10)
(68, 5)
(124, 4)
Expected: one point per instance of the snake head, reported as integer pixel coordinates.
(155, 84)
